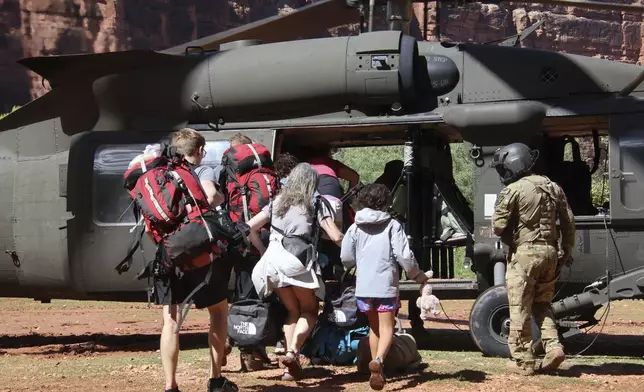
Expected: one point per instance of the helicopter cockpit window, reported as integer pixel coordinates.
(112, 204)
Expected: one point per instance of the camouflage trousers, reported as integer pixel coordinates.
(530, 279)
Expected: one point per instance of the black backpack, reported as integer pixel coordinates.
(341, 305)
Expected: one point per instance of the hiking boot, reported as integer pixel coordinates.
(221, 384)
(260, 353)
(553, 359)
(280, 348)
(377, 379)
(524, 370)
(293, 369)
(249, 363)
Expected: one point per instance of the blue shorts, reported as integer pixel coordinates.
(380, 305)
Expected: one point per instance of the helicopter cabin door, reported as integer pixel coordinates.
(627, 169)
(103, 209)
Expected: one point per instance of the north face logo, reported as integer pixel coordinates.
(245, 328)
(337, 316)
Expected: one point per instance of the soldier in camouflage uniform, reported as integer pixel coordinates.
(525, 217)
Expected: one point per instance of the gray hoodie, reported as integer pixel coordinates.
(377, 244)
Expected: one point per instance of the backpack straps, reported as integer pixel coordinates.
(185, 306)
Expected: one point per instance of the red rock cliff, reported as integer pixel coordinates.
(50, 27)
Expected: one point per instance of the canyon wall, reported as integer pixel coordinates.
(52, 27)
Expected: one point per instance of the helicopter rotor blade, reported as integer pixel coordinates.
(300, 23)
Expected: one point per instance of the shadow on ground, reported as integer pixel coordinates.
(323, 379)
(436, 340)
(605, 369)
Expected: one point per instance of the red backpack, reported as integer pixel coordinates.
(250, 180)
(169, 200)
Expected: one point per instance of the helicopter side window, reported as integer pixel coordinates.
(214, 153)
(629, 165)
(112, 204)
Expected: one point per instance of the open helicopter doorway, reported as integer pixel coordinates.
(440, 206)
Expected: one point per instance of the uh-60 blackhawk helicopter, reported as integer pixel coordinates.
(64, 224)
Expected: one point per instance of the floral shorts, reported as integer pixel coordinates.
(380, 305)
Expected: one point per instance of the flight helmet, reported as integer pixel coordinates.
(514, 161)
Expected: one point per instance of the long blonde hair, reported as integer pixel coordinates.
(299, 190)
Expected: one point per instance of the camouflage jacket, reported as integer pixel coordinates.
(527, 210)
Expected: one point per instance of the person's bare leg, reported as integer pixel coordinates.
(374, 333)
(169, 346)
(308, 314)
(288, 298)
(217, 336)
(386, 321)
(290, 302)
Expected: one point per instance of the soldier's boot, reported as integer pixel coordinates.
(553, 359)
(524, 370)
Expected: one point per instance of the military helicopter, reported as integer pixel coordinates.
(65, 221)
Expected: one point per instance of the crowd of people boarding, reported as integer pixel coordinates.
(304, 206)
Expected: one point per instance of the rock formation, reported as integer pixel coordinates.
(52, 27)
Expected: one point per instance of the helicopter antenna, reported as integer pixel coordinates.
(629, 88)
(515, 40)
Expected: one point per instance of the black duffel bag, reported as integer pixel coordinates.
(254, 323)
(341, 305)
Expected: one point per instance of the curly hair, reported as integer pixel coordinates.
(374, 196)
(299, 190)
(284, 164)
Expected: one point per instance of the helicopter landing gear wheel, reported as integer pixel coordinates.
(490, 323)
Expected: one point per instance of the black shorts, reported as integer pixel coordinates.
(172, 290)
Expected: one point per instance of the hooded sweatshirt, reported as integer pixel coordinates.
(377, 244)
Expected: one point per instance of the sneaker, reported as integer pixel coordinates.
(222, 385)
(280, 347)
(249, 363)
(293, 368)
(553, 359)
(260, 353)
(377, 379)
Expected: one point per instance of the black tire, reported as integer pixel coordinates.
(490, 323)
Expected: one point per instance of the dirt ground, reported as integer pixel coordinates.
(100, 346)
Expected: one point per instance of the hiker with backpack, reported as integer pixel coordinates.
(175, 193)
(330, 172)
(289, 265)
(377, 245)
(249, 178)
